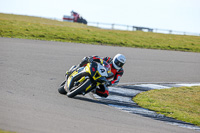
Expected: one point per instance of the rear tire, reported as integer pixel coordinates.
(62, 91)
(81, 88)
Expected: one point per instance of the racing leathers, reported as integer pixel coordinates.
(113, 78)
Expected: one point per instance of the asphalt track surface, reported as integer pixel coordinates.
(32, 70)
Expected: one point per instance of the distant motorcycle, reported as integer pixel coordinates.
(81, 20)
(75, 17)
(85, 79)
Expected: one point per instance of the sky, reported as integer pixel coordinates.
(178, 15)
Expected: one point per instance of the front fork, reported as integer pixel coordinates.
(63, 83)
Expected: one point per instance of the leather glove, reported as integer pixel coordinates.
(90, 59)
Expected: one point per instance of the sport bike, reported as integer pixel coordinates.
(85, 79)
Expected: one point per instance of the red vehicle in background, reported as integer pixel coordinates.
(75, 17)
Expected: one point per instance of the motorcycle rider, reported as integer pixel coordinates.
(116, 65)
(76, 15)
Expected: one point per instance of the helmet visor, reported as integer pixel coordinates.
(118, 63)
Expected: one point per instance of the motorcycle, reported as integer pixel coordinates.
(85, 79)
(75, 17)
(82, 20)
(71, 19)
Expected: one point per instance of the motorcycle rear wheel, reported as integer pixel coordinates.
(78, 89)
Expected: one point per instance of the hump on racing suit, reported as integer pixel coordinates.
(115, 74)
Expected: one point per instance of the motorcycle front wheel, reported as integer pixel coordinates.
(61, 90)
(78, 89)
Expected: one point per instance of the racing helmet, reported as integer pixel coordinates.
(72, 12)
(118, 61)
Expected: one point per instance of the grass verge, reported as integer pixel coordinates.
(180, 103)
(17, 26)
(3, 131)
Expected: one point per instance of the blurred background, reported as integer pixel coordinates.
(167, 16)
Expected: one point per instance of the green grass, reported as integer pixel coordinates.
(17, 26)
(180, 103)
(3, 131)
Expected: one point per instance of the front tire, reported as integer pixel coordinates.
(62, 91)
(79, 89)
